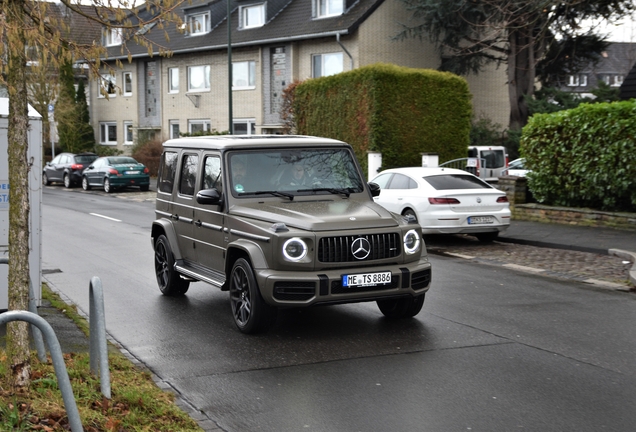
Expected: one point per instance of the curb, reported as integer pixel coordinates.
(629, 256)
(576, 248)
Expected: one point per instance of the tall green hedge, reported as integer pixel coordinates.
(583, 157)
(398, 111)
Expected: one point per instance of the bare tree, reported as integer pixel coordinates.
(25, 24)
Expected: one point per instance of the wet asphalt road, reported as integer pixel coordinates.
(494, 349)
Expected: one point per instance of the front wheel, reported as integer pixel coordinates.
(169, 281)
(85, 185)
(406, 307)
(251, 313)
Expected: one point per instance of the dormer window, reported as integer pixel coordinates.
(328, 8)
(199, 23)
(112, 37)
(253, 16)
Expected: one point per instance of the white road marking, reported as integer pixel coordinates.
(105, 217)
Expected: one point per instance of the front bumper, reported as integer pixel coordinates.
(296, 289)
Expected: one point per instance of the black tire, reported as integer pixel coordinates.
(67, 181)
(107, 187)
(487, 237)
(406, 307)
(408, 212)
(144, 188)
(45, 179)
(85, 184)
(251, 313)
(169, 281)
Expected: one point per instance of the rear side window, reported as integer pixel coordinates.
(456, 181)
(493, 158)
(167, 172)
(189, 168)
(400, 181)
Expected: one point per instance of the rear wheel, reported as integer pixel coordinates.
(169, 281)
(45, 179)
(67, 181)
(107, 187)
(487, 237)
(251, 313)
(409, 212)
(85, 184)
(406, 307)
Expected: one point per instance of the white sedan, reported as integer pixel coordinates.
(445, 201)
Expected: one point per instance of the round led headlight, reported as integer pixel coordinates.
(411, 242)
(294, 249)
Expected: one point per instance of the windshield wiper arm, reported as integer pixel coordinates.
(345, 191)
(270, 192)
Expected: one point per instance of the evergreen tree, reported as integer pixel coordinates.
(66, 110)
(86, 134)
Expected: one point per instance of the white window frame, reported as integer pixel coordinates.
(250, 122)
(244, 69)
(204, 122)
(577, 80)
(104, 80)
(329, 8)
(128, 125)
(617, 81)
(113, 36)
(206, 78)
(104, 133)
(252, 16)
(203, 23)
(173, 80)
(124, 83)
(171, 125)
(582, 80)
(324, 58)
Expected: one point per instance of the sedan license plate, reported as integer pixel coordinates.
(366, 279)
(476, 220)
(131, 172)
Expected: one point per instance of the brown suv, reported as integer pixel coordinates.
(281, 221)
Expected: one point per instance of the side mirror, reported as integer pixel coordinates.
(209, 196)
(374, 188)
(91, 166)
(48, 164)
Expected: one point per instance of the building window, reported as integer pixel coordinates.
(605, 79)
(174, 129)
(577, 80)
(244, 126)
(243, 75)
(108, 133)
(128, 132)
(173, 80)
(252, 16)
(196, 127)
(327, 8)
(108, 86)
(127, 83)
(198, 78)
(617, 81)
(199, 23)
(326, 64)
(112, 36)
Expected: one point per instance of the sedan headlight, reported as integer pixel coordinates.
(294, 249)
(411, 242)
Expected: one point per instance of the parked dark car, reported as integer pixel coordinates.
(67, 168)
(113, 172)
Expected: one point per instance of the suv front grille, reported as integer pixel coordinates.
(338, 249)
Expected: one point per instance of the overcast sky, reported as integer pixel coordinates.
(621, 31)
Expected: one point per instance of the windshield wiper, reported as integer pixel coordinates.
(336, 191)
(270, 192)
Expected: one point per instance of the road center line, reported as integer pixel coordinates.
(105, 217)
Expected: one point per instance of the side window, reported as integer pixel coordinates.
(167, 172)
(382, 180)
(188, 177)
(212, 175)
(400, 182)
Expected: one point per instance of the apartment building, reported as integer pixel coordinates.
(274, 42)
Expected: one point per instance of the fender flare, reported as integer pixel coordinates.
(165, 227)
(252, 249)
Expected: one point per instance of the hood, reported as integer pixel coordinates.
(324, 215)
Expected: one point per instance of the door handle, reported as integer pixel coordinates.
(198, 223)
(175, 217)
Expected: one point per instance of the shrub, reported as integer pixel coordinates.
(149, 154)
(583, 157)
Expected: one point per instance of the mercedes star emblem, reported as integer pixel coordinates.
(360, 248)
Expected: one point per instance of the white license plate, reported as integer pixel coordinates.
(131, 172)
(366, 279)
(476, 220)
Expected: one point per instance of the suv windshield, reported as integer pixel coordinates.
(302, 171)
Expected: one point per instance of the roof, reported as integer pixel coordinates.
(286, 20)
(225, 142)
(426, 171)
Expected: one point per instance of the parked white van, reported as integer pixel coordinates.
(487, 162)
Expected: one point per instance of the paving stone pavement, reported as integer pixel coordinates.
(601, 270)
